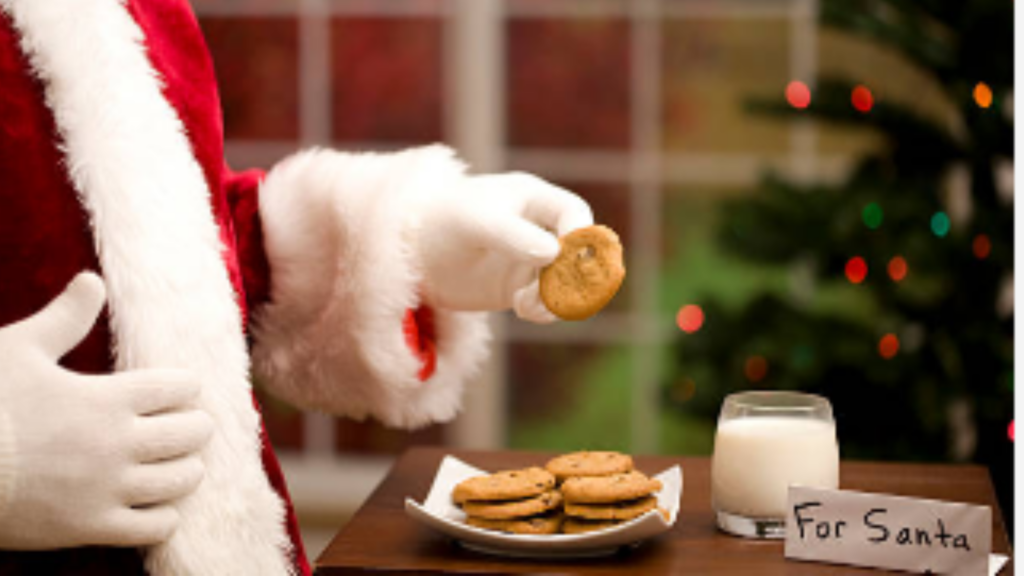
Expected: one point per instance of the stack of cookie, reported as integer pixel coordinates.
(517, 501)
(599, 502)
(601, 489)
(574, 493)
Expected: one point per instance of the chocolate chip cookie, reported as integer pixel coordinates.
(549, 523)
(607, 489)
(586, 274)
(580, 526)
(589, 464)
(505, 485)
(625, 510)
(506, 509)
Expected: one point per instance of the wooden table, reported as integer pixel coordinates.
(381, 539)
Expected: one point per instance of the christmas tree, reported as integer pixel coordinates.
(918, 360)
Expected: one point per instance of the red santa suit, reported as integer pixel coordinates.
(111, 159)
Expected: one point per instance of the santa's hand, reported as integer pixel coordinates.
(90, 460)
(482, 245)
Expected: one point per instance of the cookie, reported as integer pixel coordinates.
(505, 485)
(546, 524)
(503, 510)
(585, 275)
(606, 489)
(626, 510)
(579, 526)
(589, 464)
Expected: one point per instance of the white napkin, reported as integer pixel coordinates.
(996, 563)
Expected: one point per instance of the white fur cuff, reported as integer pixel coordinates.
(342, 280)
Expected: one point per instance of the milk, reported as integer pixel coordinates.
(757, 458)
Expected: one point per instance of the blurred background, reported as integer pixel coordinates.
(812, 194)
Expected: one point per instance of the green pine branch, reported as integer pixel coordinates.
(941, 12)
(931, 144)
(908, 36)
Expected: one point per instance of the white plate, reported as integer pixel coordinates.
(439, 513)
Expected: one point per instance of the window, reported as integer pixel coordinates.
(637, 105)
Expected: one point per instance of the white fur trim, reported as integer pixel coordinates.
(343, 277)
(172, 304)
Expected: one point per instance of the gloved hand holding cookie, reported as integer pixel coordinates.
(483, 243)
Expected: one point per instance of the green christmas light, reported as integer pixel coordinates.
(940, 224)
(872, 215)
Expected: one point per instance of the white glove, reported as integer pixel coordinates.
(90, 460)
(482, 245)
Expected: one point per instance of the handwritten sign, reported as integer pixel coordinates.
(881, 531)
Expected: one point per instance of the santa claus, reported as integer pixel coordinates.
(354, 284)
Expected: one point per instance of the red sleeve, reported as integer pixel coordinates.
(242, 191)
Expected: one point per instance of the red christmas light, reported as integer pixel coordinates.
(798, 94)
(856, 269)
(756, 368)
(1009, 432)
(982, 95)
(862, 99)
(888, 346)
(690, 318)
(897, 268)
(982, 246)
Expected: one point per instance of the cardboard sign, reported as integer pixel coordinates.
(892, 532)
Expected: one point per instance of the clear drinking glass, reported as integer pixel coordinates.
(765, 442)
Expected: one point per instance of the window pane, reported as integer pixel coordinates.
(710, 69)
(682, 427)
(697, 269)
(695, 265)
(283, 421)
(386, 80)
(256, 60)
(568, 83)
(371, 437)
(569, 397)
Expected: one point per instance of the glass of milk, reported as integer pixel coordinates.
(767, 441)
